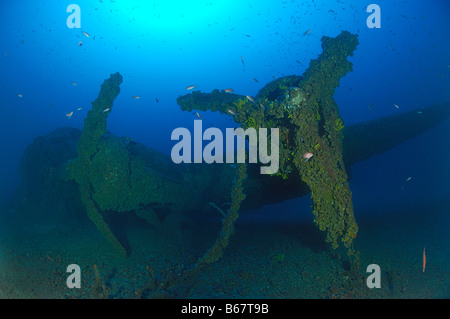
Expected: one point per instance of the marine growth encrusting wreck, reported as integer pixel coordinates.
(110, 175)
(307, 116)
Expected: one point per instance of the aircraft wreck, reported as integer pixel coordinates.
(98, 173)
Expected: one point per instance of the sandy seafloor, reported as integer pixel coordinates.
(275, 252)
(263, 260)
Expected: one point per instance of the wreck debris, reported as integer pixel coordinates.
(304, 110)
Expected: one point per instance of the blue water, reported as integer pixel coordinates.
(161, 47)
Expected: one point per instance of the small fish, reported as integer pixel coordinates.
(156, 99)
(198, 115)
(298, 61)
(79, 109)
(408, 179)
(242, 60)
(256, 80)
(396, 106)
(231, 112)
(307, 156)
(86, 34)
(80, 43)
(229, 90)
(191, 87)
(69, 115)
(424, 259)
(137, 97)
(307, 32)
(74, 83)
(106, 110)
(19, 95)
(250, 98)
(419, 112)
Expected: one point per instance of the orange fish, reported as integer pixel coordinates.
(74, 83)
(307, 32)
(86, 34)
(80, 44)
(198, 115)
(137, 97)
(229, 90)
(69, 115)
(307, 156)
(424, 259)
(231, 112)
(250, 98)
(191, 87)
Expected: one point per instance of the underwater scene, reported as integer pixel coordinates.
(224, 149)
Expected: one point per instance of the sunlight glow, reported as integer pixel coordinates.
(174, 16)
